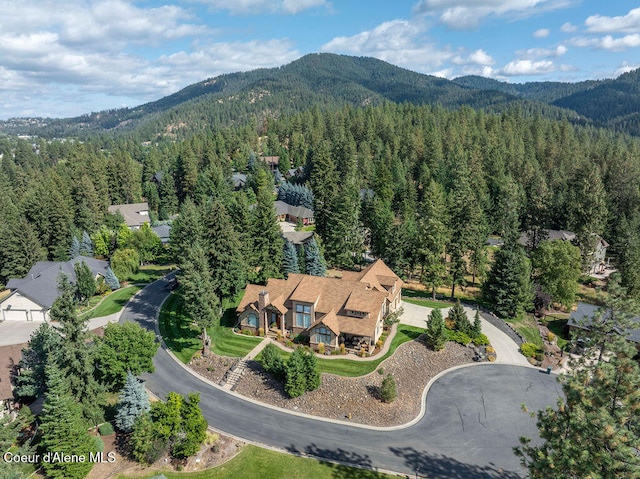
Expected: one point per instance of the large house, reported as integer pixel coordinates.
(331, 311)
(583, 316)
(287, 212)
(134, 214)
(31, 297)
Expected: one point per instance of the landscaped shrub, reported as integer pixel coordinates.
(321, 348)
(530, 350)
(551, 337)
(481, 340)
(379, 343)
(458, 337)
(105, 429)
(272, 362)
(343, 348)
(388, 390)
(260, 331)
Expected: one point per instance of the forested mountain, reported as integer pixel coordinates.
(324, 80)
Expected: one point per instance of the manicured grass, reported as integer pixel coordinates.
(528, 329)
(558, 326)
(151, 272)
(184, 339)
(353, 368)
(256, 463)
(428, 303)
(112, 303)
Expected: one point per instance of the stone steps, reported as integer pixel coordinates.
(234, 375)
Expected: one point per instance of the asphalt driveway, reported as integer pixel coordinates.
(472, 419)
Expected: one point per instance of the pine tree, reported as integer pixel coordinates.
(290, 259)
(133, 401)
(508, 287)
(267, 236)
(296, 378)
(436, 334)
(86, 245)
(314, 261)
(458, 315)
(201, 304)
(194, 428)
(74, 249)
(85, 282)
(111, 279)
(43, 348)
(388, 390)
(476, 329)
(595, 430)
(20, 248)
(63, 429)
(311, 371)
(434, 233)
(146, 445)
(186, 231)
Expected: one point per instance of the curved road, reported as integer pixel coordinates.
(472, 421)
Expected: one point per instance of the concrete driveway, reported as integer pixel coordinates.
(507, 350)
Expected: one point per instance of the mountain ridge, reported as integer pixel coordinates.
(330, 80)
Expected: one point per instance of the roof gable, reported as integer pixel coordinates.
(134, 214)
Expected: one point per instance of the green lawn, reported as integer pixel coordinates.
(256, 463)
(558, 326)
(112, 303)
(184, 339)
(528, 329)
(151, 272)
(351, 368)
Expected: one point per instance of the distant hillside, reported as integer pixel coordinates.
(328, 80)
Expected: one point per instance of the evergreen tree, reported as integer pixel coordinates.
(267, 236)
(508, 287)
(133, 401)
(290, 259)
(436, 334)
(186, 231)
(476, 329)
(434, 233)
(63, 429)
(388, 390)
(324, 181)
(74, 249)
(595, 430)
(458, 316)
(296, 377)
(43, 348)
(20, 248)
(312, 374)
(272, 362)
(85, 282)
(125, 263)
(200, 302)
(146, 445)
(314, 261)
(111, 279)
(227, 265)
(86, 245)
(76, 355)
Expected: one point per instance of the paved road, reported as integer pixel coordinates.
(472, 420)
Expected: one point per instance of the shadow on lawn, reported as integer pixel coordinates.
(351, 465)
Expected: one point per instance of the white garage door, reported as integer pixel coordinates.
(15, 315)
(38, 315)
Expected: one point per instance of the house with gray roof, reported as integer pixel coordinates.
(31, 297)
(163, 231)
(287, 212)
(134, 214)
(582, 317)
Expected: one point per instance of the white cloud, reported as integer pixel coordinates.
(608, 42)
(532, 53)
(400, 42)
(478, 57)
(542, 33)
(467, 14)
(629, 23)
(528, 67)
(627, 67)
(568, 28)
(246, 7)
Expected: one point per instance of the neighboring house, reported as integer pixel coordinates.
(134, 214)
(271, 162)
(582, 317)
(597, 262)
(298, 238)
(287, 212)
(330, 311)
(163, 232)
(31, 297)
(239, 180)
(295, 172)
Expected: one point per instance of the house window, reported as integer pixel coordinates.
(323, 335)
(303, 316)
(252, 320)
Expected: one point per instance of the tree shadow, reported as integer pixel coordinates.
(437, 466)
(344, 464)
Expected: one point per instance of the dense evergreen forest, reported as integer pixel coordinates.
(333, 81)
(420, 186)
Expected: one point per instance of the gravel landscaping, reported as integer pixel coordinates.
(351, 399)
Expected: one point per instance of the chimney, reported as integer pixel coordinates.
(263, 300)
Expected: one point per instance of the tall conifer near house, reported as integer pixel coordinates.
(314, 261)
(133, 401)
(290, 260)
(436, 334)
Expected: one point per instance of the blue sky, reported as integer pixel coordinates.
(63, 58)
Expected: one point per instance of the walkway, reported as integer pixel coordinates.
(507, 351)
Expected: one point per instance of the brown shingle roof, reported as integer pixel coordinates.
(330, 320)
(132, 213)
